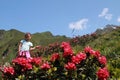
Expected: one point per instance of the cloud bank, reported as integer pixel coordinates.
(78, 25)
(105, 14)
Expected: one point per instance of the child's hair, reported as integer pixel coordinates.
(26, 34)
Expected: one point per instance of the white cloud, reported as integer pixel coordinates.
(108, 16)
(118, 19)
(105, 14)
(78, 25)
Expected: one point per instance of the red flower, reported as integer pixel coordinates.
(20, 61)
(37, 61)
(78, 58)
(45, 66)
(67, 49)
(95, 53)
(92, 52)
(67, 52)
(28, 66)
(25, 63)
(29, 59)
(81, 56)
(70, 66)
(87, 49)
(9, 70)
(75, 59)
(65, 44)
(102, 74)
(55, 56)
(102, 60)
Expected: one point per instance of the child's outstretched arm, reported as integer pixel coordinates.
(33, 48)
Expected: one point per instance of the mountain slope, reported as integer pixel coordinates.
(9, 41)
(108, 40)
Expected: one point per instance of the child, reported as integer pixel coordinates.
(25, 46)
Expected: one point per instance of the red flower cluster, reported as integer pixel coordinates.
(102, 74)
(64, 44)
(78, 58)
(9, 70)
(95, 53)
(25, 63)
(67, 49)
(92, 52)
(101, 59)
(87, 49)
(55, 56)
(37, 61)
(70, 66)
(45, 66)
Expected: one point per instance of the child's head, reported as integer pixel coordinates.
(28, 36)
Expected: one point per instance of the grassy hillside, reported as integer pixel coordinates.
(46, 38)
(107, 41)
(9, 42)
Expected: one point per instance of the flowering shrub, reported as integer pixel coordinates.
(64, 64)
(51, 48)
(81, 40)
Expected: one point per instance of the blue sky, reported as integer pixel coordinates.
(60, 17)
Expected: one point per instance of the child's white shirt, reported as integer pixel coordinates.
(25, 45)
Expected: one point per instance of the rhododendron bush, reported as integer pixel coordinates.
(65, 64)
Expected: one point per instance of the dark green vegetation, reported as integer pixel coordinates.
(106, 40)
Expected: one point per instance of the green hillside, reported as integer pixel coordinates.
(9, 42)
(107, 41)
